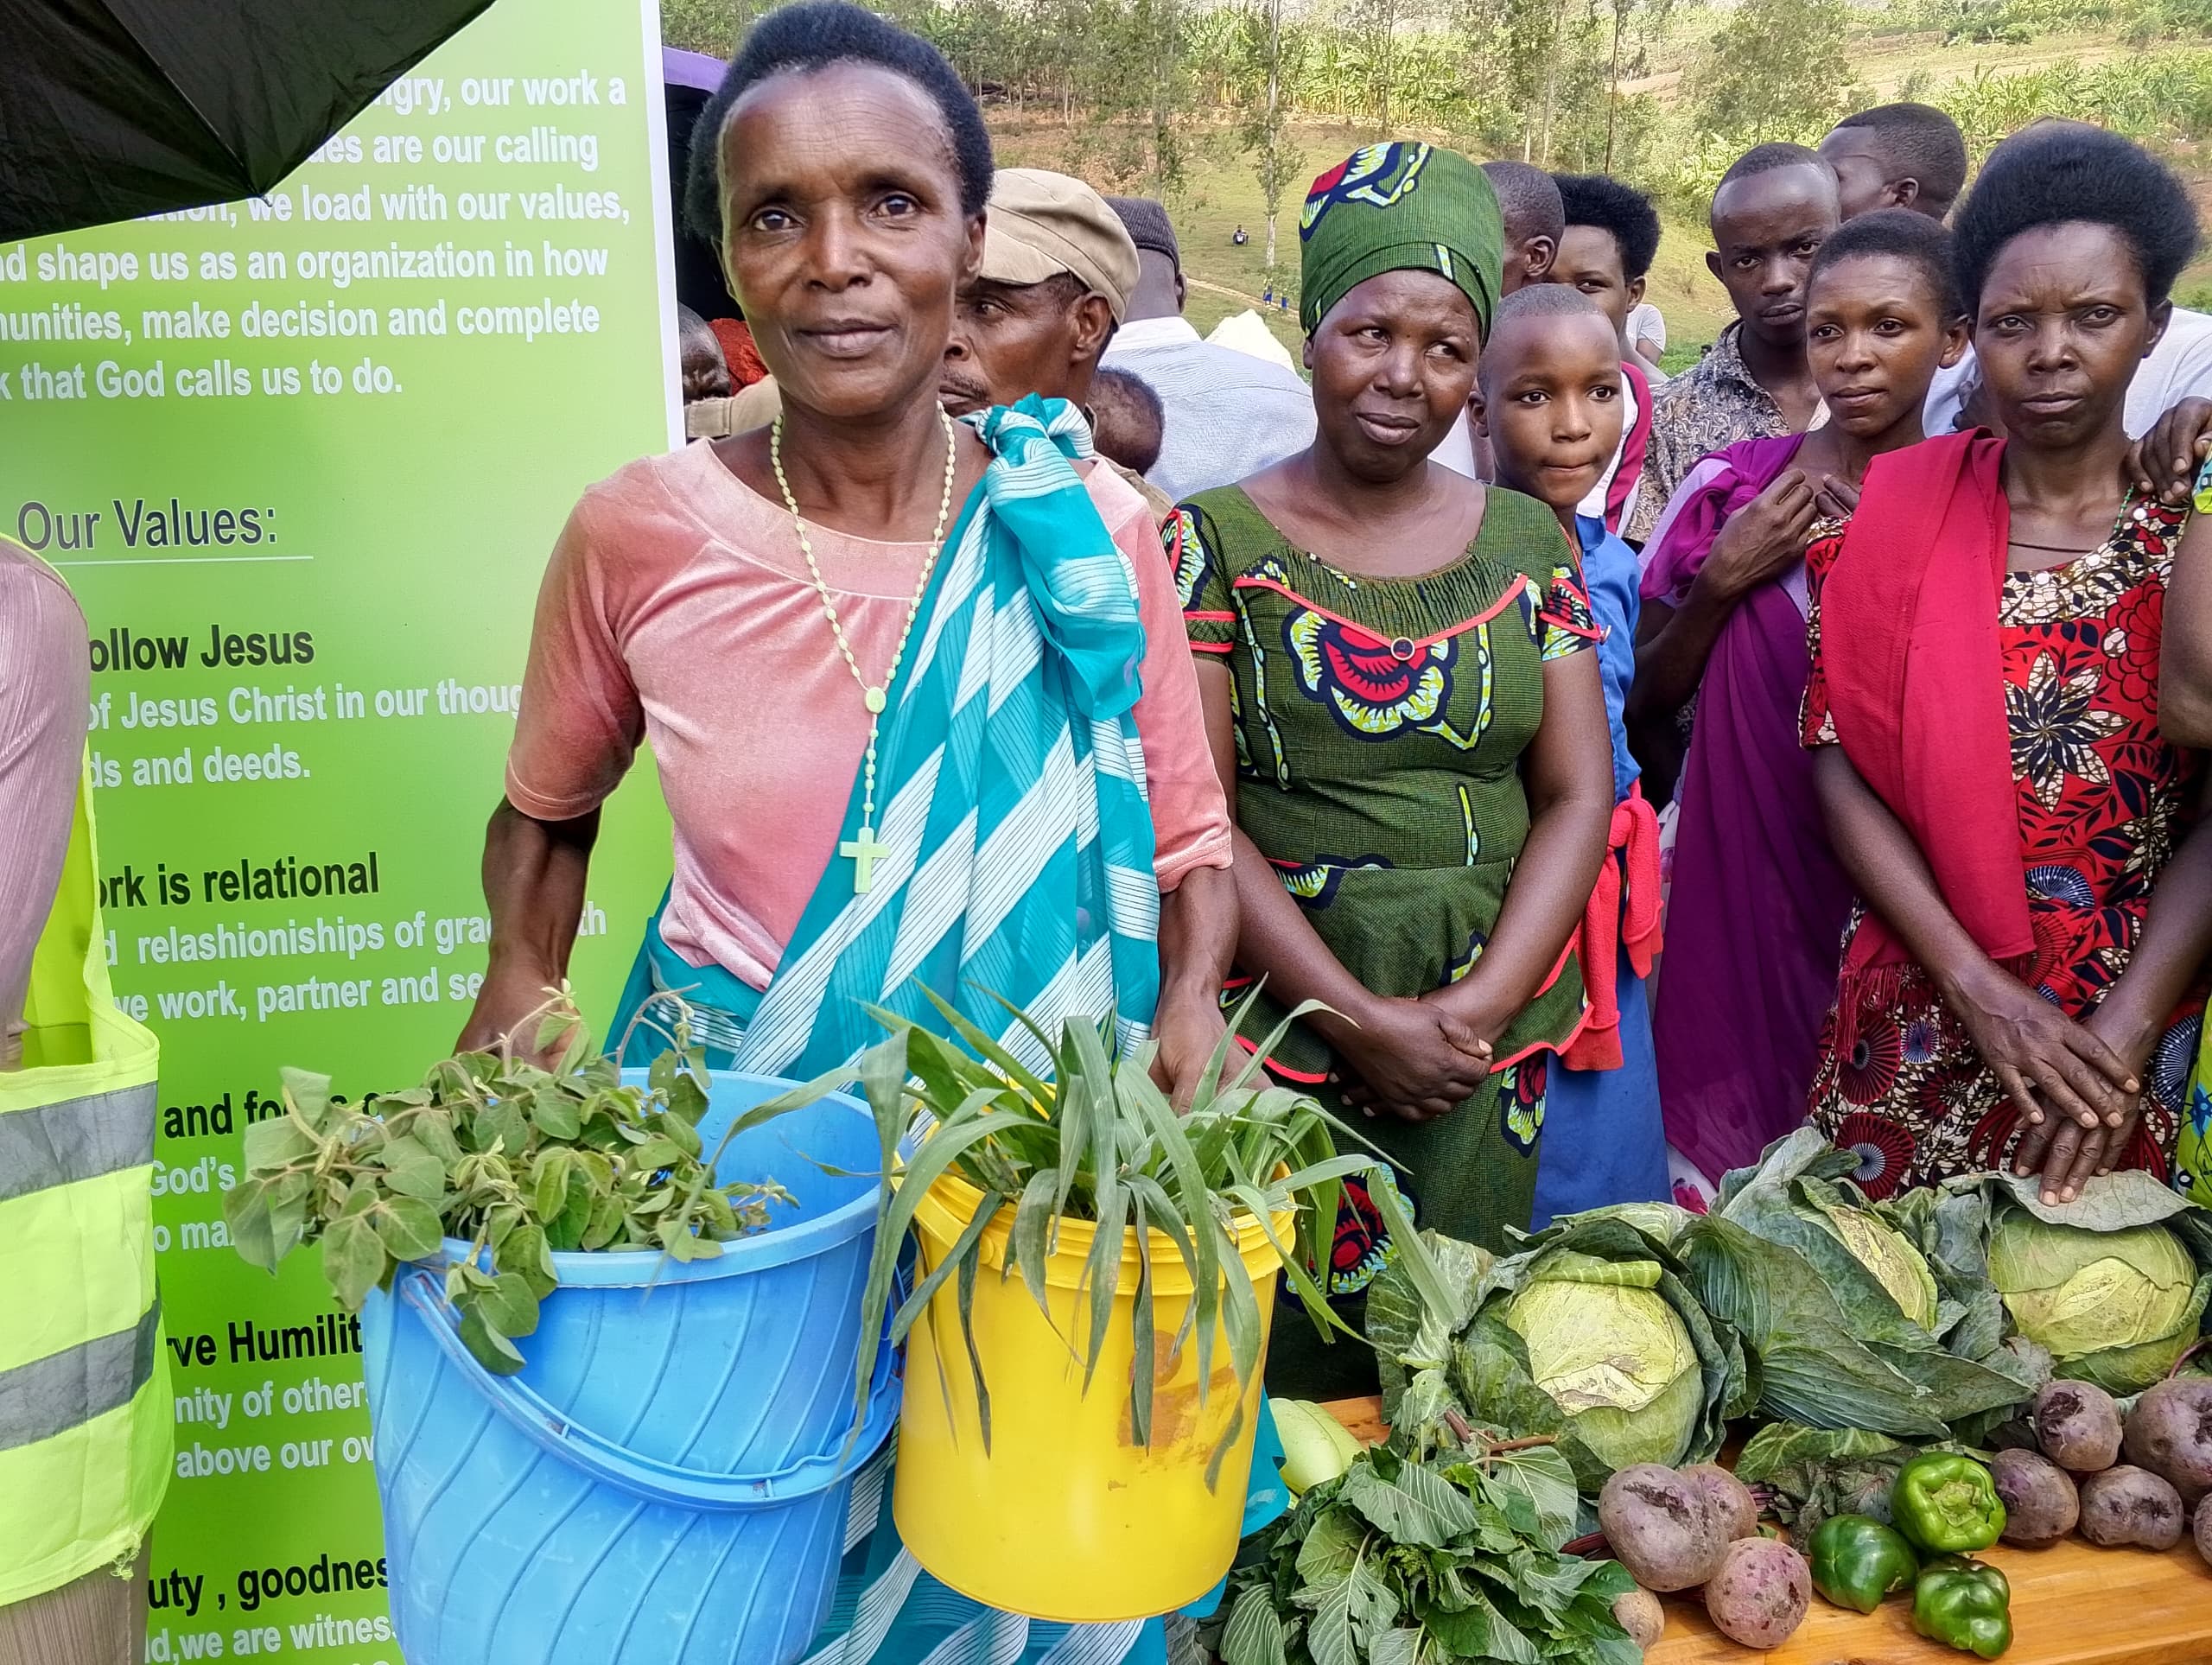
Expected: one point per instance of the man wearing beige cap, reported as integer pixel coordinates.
(1057, 270)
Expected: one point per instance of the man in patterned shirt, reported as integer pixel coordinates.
(1774, 209)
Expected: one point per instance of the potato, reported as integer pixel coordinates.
(2040, 1505)
(2077, 1424)
(2170, 1435)
(1735, 1511)
(2126, 1504)
(1661, 1527)
(1760, 1593)
(1640, 1614)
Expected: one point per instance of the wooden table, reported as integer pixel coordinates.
(2072, 1604)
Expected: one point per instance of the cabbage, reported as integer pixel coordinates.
(2114, 1307)
(1901, 1270)
(1590, 1334)
(1862, 1315)
(1613, 1355)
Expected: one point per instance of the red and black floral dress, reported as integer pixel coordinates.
(2104, 801)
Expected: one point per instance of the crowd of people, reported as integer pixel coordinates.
(1614, 771)
(1477, 668)
(1572, 776)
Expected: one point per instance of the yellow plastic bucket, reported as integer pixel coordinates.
(1066, 1517)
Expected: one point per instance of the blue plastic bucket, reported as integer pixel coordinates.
(665, 1482)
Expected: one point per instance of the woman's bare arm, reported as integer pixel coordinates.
(2185, 650)
(534, 874)
(2040, 1056)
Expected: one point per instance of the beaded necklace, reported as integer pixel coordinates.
(865, 850)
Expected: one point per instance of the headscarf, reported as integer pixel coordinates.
(1401, 207)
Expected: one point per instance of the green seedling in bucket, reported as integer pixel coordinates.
(1092, 1138)
(514, 1158)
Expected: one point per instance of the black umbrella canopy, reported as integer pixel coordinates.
(111, 109)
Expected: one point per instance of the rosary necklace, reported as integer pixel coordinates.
(864, 849)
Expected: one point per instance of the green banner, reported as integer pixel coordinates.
(302, 460)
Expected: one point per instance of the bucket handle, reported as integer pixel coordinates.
(611, 1464)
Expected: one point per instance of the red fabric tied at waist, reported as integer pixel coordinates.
(1617, 919)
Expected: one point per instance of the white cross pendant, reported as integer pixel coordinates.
(865, 852)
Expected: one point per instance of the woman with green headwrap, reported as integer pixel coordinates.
(1393, 665)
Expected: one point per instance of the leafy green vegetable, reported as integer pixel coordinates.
(516, 1160)
(1809, 1474)
(2114, 1284)
(1861, 1318)
(1620, 1262)
(1892, 1259)
(1612, 1354)
(1456, 1556)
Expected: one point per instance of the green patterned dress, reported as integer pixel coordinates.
(1380, 724)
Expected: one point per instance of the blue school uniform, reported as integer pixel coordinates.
(1604, 1142)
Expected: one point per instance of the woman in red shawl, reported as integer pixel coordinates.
(2020, 980)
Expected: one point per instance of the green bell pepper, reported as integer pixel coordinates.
(1856, 1561)
(1946, 1503)
(1964, 1604)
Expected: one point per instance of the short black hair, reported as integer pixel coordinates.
(2055, 175)
(814, 36)
(1538, 301)
(1602, 202)
(1767, 158)
(1528, 201)
(1130, 422)
(1917, 141)
(691, 326)
(1546, 301)
(1904, 234)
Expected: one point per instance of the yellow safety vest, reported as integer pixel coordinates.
(85, 1407)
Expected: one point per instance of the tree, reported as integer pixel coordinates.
(1775, 70)
(1266, 133)
(1617, 67)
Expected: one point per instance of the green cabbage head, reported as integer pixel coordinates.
(2115, 1308)
(1897, 1266)
(1612, 1355)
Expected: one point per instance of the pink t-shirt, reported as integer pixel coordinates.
(677, 608)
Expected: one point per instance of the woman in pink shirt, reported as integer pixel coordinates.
(914, 687)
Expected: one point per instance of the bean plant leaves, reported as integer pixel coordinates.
(411, 1170)
(273, 1143)
(409, 1228)
(247, 1212)
(515, 1160)
(352, 1258)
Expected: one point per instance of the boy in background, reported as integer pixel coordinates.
(1774, 209)
(1610, 240)
(1548, 400)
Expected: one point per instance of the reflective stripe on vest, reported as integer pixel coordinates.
(64, 1391)
(85, 1414)
(60, 1144)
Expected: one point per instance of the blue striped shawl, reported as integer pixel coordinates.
(1010, 791)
